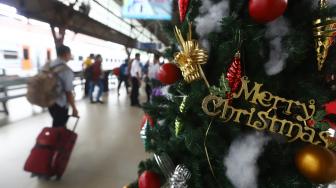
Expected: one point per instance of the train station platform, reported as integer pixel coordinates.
(106, 154)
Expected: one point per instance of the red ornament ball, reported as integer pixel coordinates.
(169, 73)
(266, 10)
(330, 107)
(149, 179)
(145, 118)
(116, 71)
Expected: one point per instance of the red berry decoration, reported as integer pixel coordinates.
(149, 179)
(311, 123)
(145, 118)
(183, 7)
(169, 73)
(266, 10)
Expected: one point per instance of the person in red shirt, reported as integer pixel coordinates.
(97, 79)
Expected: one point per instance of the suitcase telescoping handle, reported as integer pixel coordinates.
(75, 126)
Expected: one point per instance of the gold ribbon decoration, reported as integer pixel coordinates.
(206, 149)
(178, 123)
(191, 57)
(178, 126)
(324, 32)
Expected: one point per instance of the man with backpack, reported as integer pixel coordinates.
(52, 87)
(59, 110)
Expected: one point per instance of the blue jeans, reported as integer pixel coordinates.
(100, 85)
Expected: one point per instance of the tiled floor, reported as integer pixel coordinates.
(106, 155)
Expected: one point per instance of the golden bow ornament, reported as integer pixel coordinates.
(191, 57)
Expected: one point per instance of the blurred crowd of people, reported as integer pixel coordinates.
(132, 73)
(94, 76)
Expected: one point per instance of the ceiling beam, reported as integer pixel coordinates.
(57, 14)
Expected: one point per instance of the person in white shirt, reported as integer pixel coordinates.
(152, 81)
(154, 68)
(136, 80)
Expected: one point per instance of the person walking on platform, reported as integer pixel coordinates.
(123, 76)
(59, 111)
(97, 79)
(152, 82)
(86, 73)
(136, 80)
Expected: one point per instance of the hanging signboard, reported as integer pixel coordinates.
(147, 9)
(148, 46)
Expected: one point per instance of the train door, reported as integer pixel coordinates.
(26, 60)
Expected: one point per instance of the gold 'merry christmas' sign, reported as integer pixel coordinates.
(266, 119)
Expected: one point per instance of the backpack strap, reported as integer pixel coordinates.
(56, 69)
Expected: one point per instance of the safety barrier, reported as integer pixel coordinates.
(12, 87)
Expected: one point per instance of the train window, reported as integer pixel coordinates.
(9, 54)
(111, 60)
(106, 60)
(80, 58)
(25, 53)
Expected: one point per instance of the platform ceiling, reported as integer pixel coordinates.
(58, 14)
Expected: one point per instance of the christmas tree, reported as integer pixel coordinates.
(254, 105)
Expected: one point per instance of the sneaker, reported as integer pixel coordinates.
(101, 102)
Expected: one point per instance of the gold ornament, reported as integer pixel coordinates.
(191, 57)
(331, 143)
(324, 31)
(323, 3)
(178, 126)
(183, 104)
(178, 123)
(316, 163)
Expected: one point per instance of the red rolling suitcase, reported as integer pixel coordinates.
(51, 153)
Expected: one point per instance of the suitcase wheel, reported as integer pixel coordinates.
(32, 175)
(43, 177)
(58, 178)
